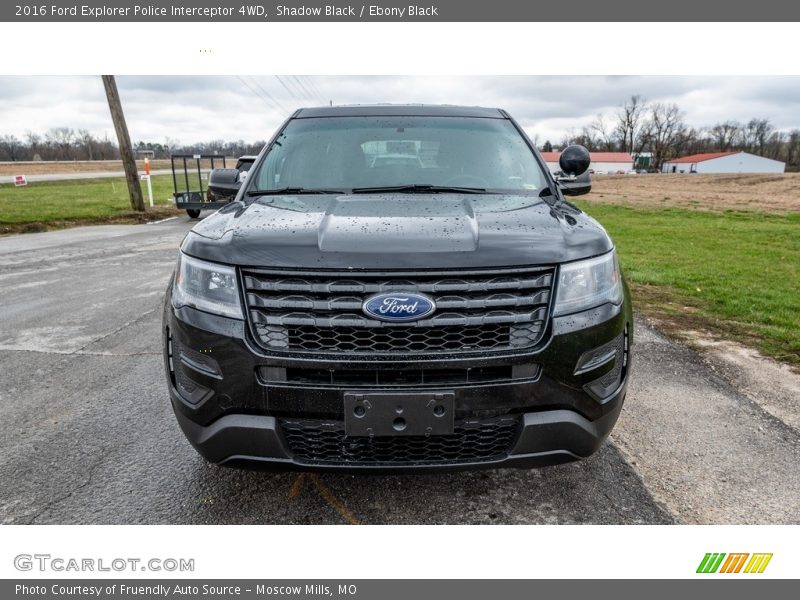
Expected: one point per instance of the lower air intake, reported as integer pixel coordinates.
(324, 442)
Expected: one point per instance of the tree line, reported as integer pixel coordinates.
(637, 127)
(658, 128)
(65, 143)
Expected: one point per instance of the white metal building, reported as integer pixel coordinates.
(723, 162)
(602, 162)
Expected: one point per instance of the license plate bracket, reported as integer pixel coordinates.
(392, 414)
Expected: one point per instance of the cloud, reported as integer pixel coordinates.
(196, 108)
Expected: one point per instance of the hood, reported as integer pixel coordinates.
(396, 231)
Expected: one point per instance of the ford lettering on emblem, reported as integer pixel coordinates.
(398, 306)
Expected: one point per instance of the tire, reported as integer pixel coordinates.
(193, 212)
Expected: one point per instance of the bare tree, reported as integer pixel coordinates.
(755, 135)
(107, 149)
(725, 134)
(631, 122)
(61, 140)
(775, 145)
(666, 129)
(587, 137)
(600, 130)
(87, 144)
(11, 147)
(686, 141)
(793, 147)
(763, 131)
(568, 138)
(34, 141)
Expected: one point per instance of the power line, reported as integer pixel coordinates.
(293, 80)
(304, 88)
(272, 105)
(270, 96)
(310, 85)
(255, 93)
(289, 91)
(314, 88)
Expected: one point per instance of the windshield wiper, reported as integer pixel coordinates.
(292, 190)
(421, 188)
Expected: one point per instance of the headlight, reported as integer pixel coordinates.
(588, 283)
(206, 286)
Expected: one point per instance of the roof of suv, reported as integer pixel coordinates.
(399, 110)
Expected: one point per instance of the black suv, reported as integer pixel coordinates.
(352, 310)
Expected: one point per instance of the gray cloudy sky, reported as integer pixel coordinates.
(192, 109)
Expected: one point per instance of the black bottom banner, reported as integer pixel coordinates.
(398, 589)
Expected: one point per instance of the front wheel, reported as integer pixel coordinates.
(193, 212)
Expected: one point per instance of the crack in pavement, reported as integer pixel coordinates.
(53, 503)
(77, 352)
(133, 321)
(81, 351)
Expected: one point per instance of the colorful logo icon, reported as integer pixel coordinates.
(719, 562)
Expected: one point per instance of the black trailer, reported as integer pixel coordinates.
(187, 178)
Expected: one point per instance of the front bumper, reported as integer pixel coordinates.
(546, 438)
(232, 401)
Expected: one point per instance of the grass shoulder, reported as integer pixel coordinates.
(730, 272)
(57, 204)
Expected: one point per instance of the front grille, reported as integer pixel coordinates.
(409, 339)
(308, 313)
(324, 442)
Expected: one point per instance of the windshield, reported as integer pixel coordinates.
(346, 153)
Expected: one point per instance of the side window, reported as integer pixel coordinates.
(244, 168)
(269, 175)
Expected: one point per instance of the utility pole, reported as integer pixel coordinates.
(125, 149)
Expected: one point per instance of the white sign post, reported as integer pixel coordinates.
(20, 180)
(146, 177)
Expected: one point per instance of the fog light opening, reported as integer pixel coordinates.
(170, 363)
(625, 349)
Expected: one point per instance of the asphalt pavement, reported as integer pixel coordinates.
(87, 434)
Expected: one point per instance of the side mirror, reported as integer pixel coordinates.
(576, 186)
(574, 160)
(223, 184)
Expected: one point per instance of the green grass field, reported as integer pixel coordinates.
(731, 272)
(83, 200)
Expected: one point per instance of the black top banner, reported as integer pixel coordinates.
(400, 10)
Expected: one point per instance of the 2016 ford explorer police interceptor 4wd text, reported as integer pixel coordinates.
(399, 288)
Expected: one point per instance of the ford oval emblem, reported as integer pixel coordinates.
(398, 306)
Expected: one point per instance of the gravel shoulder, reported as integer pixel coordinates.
(706, 445)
